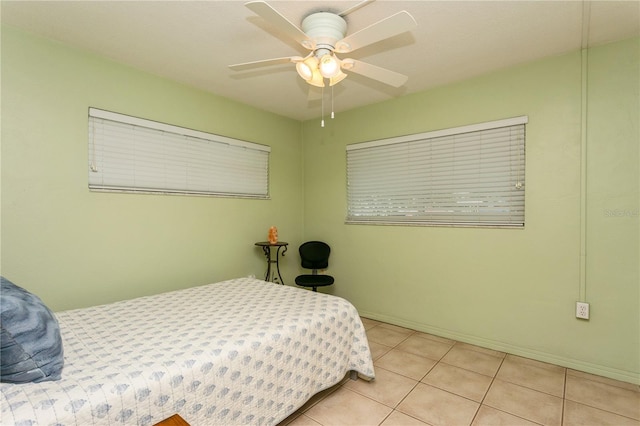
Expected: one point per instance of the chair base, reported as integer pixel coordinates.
(314, 281)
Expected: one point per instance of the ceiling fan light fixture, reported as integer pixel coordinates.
(307, 68)
(304, 71)
(337, 78)
(329, 66)
(317, 79)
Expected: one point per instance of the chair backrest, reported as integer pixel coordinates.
(314, 255)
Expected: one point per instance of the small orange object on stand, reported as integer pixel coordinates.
(273, 235)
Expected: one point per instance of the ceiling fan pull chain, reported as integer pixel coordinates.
(332, 113)
(322, 112)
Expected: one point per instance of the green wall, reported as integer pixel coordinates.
(76, 248)
(512, 290)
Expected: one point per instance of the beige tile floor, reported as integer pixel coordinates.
(423, 379)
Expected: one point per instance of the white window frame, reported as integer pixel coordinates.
(464, 176)
(131, 154)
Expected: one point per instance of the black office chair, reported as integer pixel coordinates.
(314, 255)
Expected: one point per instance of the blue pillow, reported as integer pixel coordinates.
(30, 344)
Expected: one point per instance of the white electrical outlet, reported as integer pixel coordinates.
(582, 310)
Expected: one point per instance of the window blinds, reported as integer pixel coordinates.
(465, 176)
(132, 154)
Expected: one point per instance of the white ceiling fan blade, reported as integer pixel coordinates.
(269, 14)
(388, 27)
(374, 72)
(265, 63)
(354, 8)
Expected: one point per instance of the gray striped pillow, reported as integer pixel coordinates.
(31, 347)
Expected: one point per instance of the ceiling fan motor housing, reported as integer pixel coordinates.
(325, 29)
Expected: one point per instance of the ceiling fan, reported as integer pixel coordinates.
(324, 34)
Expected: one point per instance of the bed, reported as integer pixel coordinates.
(242, 351)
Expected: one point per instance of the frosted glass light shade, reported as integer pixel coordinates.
(304, 71)
(307, 67)
(338, 78)
(329, 66)
(317, 79)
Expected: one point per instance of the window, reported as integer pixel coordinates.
(136, 155)
(464, 176)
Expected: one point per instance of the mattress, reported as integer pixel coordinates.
(242, 351)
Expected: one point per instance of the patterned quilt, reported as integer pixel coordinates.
(242, 351)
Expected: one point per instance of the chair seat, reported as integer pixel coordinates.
(314, 280)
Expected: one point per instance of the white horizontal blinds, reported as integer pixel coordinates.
(470, 176)
(131, 154)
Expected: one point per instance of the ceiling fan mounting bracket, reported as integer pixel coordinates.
(325, 29)
(322, 50)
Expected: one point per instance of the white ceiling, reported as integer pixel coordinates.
(193, 42)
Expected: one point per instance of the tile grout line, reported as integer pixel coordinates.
(594, 406)
(493, 379)
(414, 386)
(393, 409)
(564, 397)
(444, 390)
(488, 389)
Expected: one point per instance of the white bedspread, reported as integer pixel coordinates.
(242, 351)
